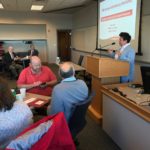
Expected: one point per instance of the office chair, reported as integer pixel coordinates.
(50, 133)
(82, 74)
(1, 66)
(79, 74)
(77, 121)
(80, 60)
(5, 68)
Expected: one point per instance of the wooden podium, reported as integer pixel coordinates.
(100, 68)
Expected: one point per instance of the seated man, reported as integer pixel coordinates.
(9, 60)
(36, 78)
(68, 93)
(33, 51)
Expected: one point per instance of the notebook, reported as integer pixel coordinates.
(36, 102)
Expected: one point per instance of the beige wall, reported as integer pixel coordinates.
(52, 21)
(87, 17)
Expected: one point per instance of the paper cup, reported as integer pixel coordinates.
(19, 97)
(12, 90)
(23, 92)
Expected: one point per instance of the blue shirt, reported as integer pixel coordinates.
(13, 121)
(66, 95)
(128, 54)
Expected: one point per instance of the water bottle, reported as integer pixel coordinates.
(13, 92)
(57, 60)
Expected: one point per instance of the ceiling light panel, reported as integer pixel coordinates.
(1, 6)
(37, 7)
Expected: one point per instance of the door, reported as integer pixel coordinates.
(64, 43)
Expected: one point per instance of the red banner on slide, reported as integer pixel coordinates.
(117, 15)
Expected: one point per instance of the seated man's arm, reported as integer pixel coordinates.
(22, 81)
(16, 57)
(51, 83)
(53, 79)
(56, 103)
(29, 86)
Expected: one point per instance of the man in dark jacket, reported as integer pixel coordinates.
(33, 51)
(9, 61)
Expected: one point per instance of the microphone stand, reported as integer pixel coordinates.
(93, 52)
(100, 51)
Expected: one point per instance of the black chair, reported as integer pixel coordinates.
(1, 66)
(80, 74)
(77, 121)
(80, 60)
(5, 68)
(83, 75)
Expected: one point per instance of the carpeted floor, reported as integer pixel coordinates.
(93, 137)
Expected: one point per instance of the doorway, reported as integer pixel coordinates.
(64, 44)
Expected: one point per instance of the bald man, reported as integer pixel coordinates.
(36, 78)
(68, 93)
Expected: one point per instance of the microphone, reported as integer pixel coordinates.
(113, 43)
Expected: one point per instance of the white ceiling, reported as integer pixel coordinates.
(61, 6)
(49, 5)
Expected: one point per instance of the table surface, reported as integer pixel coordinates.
(31, 95)
(76, 67)
(129, 101)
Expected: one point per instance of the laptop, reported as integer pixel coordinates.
(145, 70)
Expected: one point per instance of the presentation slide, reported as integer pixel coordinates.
(115, 16)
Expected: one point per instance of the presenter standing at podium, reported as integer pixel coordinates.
(127, 53)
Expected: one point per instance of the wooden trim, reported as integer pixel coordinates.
(143, 113)
(94, 115)
(106, 67)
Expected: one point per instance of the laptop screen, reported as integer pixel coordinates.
(146, 78)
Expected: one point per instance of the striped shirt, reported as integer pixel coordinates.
(13, 121)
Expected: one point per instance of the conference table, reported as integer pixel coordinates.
(76, 67)
(55, 69)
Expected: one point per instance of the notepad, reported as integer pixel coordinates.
(30, 100)
(39, 102)
(36, 102)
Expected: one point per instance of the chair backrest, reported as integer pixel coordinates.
(49, 133)
(145, 70)
(5, 65)
(80, 60)
(77, 120)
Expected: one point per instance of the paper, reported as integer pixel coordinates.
(39, 102)
(30, 100)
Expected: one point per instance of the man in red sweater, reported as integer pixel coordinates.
(36, 78)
